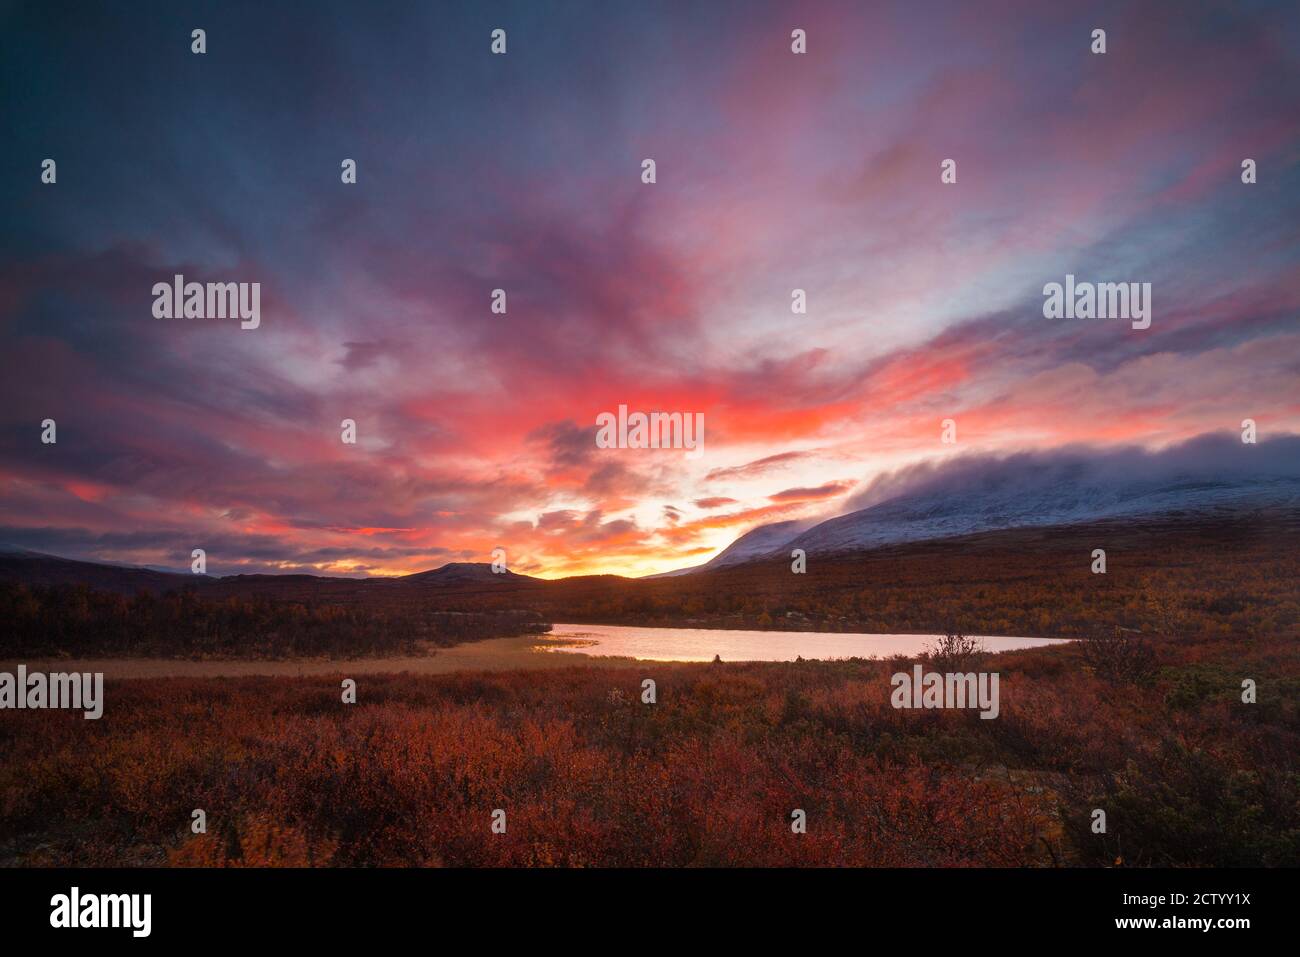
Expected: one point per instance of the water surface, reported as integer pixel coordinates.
(702, 644)
(604, 646)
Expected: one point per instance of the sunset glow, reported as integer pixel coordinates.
(774, 173)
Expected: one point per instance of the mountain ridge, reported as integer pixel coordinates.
(974, 494)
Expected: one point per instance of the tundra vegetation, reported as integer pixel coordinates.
(65, 620)
(1143, 718)
(707, 775)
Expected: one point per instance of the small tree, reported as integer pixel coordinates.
(1121, 657)
(956, 652)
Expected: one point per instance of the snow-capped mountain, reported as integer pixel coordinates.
(758, 543)
(915, 518)
(1211, 475)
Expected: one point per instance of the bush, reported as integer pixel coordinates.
(1120, 657)
(1176, 806)
(956, 653)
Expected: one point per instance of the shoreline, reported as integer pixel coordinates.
(547, 652)
(517, 653)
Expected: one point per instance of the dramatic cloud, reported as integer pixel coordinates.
(715, 502)
(758, 467)
(476, 428)
(829, 490)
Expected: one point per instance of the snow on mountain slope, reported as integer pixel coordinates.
(757, 543)
(925, 517)
(1211, 474)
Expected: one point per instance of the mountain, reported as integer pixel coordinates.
(758, 542)
(927, 516)
(37, 568)
(1208, 477)
(461, 573)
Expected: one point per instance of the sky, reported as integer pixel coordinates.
(775, 171)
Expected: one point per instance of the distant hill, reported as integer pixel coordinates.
(461, 573)
(36, 568)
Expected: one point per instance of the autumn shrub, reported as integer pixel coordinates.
(255, 841)
(1120, 656)
(955, 652)
(62, 620)
(1188, 772)
(1173, 805)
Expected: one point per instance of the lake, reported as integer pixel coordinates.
(701, 644)
(602, 646)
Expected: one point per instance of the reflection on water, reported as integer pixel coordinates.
(702, 644)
